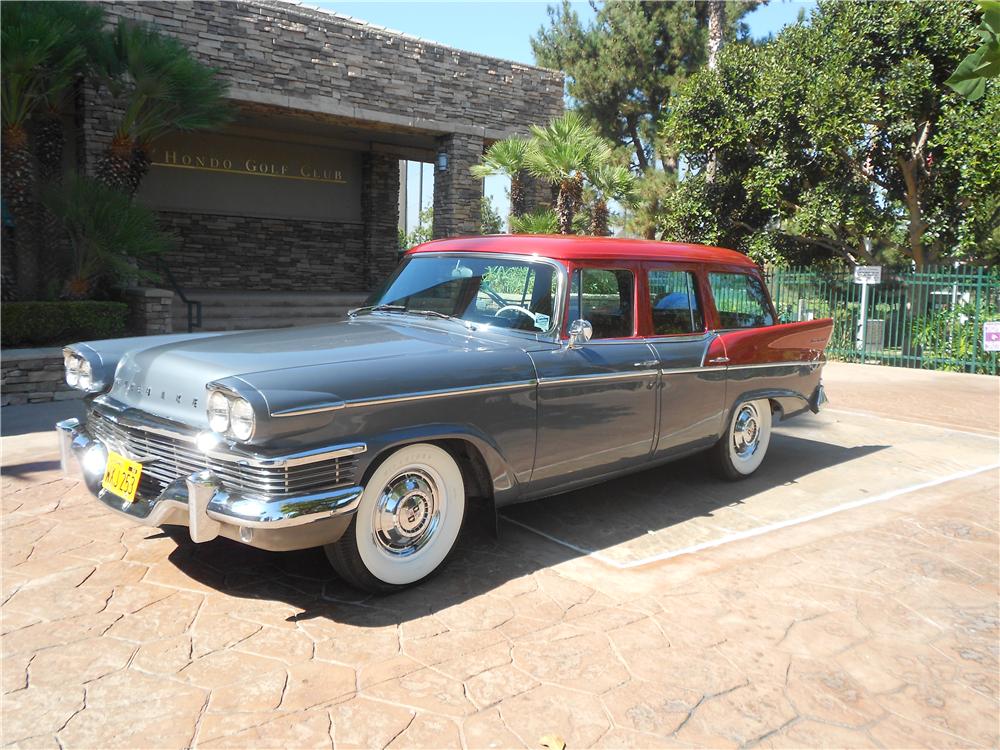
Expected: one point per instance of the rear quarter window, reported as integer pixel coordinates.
(740, 300)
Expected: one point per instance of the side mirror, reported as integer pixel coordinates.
(580, 332)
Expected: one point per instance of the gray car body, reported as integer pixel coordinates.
(527, 414)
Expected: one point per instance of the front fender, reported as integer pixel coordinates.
(505, 486)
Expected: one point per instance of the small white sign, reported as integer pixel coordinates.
(868, 274)
(991, 336)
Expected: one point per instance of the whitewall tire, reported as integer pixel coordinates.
(741, 449)
(407, 522)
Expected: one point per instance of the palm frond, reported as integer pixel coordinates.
(543, 221)
(506, 157)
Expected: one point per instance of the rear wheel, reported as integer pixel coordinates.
(407, 522)
(740, 451)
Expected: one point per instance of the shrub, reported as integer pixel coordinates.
(60, 322)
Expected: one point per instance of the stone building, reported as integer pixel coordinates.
(300, 193)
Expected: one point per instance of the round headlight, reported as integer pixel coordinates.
(72, 363)
(218, 412)
(241, 421)
(86, 377)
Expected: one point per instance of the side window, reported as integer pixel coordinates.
(605, 298)
(740, 300)
(674, 303)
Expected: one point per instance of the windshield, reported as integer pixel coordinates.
(515, 294)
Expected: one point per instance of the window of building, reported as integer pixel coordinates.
(674, 303)
(740, 300)
(605, 299)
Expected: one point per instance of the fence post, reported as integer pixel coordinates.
(976, 322)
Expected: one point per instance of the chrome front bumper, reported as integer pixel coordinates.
(202, 503)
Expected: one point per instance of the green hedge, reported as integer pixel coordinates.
(34, 323)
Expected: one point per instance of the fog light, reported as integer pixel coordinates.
(95, 460)
(208, 441)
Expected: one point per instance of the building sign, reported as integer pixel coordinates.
(868, 274)
(991, 336)
(241, 176)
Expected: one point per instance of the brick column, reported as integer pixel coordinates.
(380, 211)
(537, 193)
(150, 311)
(457, 194)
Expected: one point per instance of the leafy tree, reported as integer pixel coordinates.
(969, 79)
(422, 232)
(160, 87)
(492, 222)
(108, 234)
(623, 68)
(508, 158)
(840, 138)
(42, 50)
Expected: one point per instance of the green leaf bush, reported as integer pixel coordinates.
(36, 323)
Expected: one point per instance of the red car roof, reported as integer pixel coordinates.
(572, 247)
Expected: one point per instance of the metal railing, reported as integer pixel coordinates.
(931, 320)
(193, 306)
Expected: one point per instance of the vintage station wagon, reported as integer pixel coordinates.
(486, 369)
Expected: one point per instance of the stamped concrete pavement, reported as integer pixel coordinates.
(773, 625)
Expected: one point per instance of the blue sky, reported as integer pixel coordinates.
(504, 29)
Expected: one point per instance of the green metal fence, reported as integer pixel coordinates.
(931, 320)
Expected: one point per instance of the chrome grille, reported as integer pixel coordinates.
(170, 458)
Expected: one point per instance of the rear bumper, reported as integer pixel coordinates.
(201, 502)
(817, 399)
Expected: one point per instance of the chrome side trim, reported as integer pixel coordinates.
(688, 370)
(602, 376)
(773, 364)
(318, 409)
(416, 396)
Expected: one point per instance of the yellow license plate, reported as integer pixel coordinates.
(121, 477)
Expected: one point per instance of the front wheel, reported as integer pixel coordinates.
(407, 521)
(741, 449)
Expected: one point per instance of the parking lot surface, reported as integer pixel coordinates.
(846, 596)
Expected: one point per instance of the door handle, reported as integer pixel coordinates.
(647, 363)
(718, 361)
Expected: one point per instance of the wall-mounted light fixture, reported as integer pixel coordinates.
(442, 162)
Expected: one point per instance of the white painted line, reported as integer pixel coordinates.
(760, 530)
(935, 425)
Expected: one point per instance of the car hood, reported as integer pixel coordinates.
(169, 380)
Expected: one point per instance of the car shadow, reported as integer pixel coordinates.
(600, 516)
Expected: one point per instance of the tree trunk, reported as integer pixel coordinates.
(599, 218)
(138, 168)
(716, 29)
(565, 205)
(516, 195)
(18, 185)
(916, 226)
(115, 167)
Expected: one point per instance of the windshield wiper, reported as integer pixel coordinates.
(376, 308)
(400, 309)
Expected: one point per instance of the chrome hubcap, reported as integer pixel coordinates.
(746, 431)
(407, 513)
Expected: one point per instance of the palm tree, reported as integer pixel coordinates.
(509, 158)
(562, 153)
(161, 87)
(541, 221)
(38, 67)
(609, 182)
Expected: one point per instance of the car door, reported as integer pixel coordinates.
(692, 389)
(596, 401)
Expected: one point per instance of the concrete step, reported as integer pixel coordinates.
(224, 310)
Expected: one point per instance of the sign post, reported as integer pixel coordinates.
(991, 336)
(865, 276)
